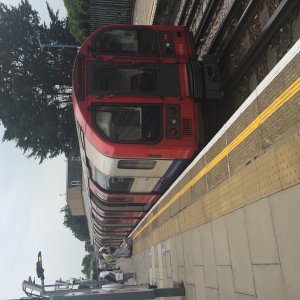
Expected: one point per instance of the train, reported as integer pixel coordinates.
(136, 92)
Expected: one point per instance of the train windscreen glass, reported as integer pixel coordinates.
(121, 80)
(141, 41)
(133, 124)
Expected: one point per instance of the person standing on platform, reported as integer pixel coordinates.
(107, 256)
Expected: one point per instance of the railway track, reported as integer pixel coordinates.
(187, 13)
(222, 27)
(268, 32)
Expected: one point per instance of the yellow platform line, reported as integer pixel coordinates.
(287, 95)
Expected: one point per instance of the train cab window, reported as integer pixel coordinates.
(122, 80)
(123, 124)
(129, 124)
(126, 41)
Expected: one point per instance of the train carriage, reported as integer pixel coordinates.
(135, 99)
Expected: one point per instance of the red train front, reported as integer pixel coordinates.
(134, 100)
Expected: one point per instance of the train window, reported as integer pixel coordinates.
(142, 41)
(111, 199)
(143, 164)
(116, 128)
(123, 199)
(116, 80)
(135, 124)
(112, 183)
(108, 213)
(119, 184)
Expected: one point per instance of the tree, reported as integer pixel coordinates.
(78, 225)
(78, 18)
(89, 264)
(86, 265)
(88, 247)
(35, 90)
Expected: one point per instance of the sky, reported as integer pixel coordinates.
(31, 196)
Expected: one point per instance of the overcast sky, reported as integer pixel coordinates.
(31, 197)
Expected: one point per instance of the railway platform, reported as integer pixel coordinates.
(144, 11)
(228, 228)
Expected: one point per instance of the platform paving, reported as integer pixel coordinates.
(251, 253)
(144, 12)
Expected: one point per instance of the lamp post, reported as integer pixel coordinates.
(40, 270)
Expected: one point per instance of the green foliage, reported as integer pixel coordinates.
(78, 18)
(89, 264)
(88, 247)
(78, 225)
(86, 264)
(35, 86)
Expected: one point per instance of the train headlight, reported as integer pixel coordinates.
(173, 121)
